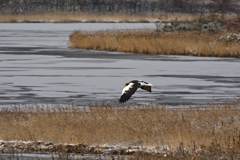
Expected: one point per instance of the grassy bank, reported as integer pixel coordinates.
(64, 17)
(150, 42)
(214, 127)
(81, 17)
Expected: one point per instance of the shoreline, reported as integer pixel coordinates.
(82, 17)
(40, 149)
(150, 42)
(82, 21)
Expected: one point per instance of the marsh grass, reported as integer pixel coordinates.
(77, 17)
(213, 127)
(195, 43)
(98, 17)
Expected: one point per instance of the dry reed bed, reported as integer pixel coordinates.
(100, 17)
(83, 16)
(76, 17)
(214, 127)
(151, 42)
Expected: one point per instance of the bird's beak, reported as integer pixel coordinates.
(124, 84)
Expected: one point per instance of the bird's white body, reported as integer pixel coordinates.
(128, 87)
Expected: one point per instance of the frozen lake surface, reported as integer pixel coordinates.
(38, 66)
(53, 34)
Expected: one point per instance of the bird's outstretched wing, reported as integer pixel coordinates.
(128, 91)
(147, 88)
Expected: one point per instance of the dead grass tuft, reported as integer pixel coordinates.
(233, 24)
(214, 127)
(149, 42)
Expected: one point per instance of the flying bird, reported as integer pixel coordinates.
(131, 88)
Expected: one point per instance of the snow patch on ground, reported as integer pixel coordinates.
(49, 147)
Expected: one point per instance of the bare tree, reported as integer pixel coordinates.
(121, 6)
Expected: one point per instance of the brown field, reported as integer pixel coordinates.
(82, 16)
(150, 42)
(215, 127)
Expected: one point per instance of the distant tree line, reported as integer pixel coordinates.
(119, 6)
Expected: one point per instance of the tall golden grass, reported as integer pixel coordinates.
(216, 126)
(151, 42)
(85, 16)
(78, 16)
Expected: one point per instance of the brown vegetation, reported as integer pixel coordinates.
(63, 17)
(195, 43)
(213, 127)
(76, 17)
(232, 24)
(92, 17)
